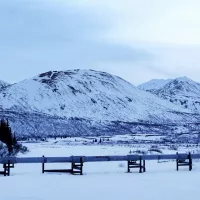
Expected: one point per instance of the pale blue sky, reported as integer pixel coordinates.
(135, 39)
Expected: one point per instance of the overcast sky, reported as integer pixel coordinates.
(136, 39)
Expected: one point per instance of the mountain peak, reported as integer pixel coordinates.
(184, 79)
(3, 84)
(181, 91)
(183, 85)
(79, 77)
(154, 84)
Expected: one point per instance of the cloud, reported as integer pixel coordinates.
(36, 37)
(167, 21)
(137, 40)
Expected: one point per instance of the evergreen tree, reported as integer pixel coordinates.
(6, 134)
(14, 140)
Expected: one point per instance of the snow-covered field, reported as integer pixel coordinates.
(106, 180)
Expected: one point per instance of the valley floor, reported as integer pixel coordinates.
(101, 181)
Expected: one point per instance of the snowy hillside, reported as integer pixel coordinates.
(181, 91)
(84, 102)
(154, 84)
(3, 84)
(86, 94)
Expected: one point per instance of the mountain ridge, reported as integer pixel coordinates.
(86, 101)
(3, 84)
(181, 91)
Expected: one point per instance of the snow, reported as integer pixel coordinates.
(106, 180)
(89, 95)
(154, 84)
(3, 150)
(3, 84)
(87, 102)
(181, 91)
(165, 184)
(86, 94)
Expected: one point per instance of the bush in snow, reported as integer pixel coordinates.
(173, 147)
(154, 148)
(3, 150)
(138, 152)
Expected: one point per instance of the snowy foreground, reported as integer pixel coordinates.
(107, 180)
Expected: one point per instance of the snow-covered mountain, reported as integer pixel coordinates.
(154, 84)
(86, 94)
(181, 91)
(3, 84)
(84, 101)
